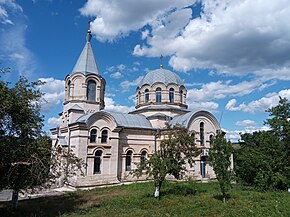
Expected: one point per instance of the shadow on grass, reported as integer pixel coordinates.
(46, 206)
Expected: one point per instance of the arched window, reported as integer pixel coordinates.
(139, 97)
(146, 95)
(181, 96)
(201, 133)
(68, 88)
(158, 94)
(210, 140)
(104, 136)
(171, 95)
(203, 166)
(91, 90)
(128, 160)
(93, 135)
(97, 162)
(143, 156)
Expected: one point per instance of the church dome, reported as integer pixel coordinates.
(163, 76)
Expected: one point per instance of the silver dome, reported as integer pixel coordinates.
(163, 76)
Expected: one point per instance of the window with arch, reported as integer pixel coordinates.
(143, 156)
(93, 135)
(210, 139)
(181, 96)
(146, 95)
(171, 95)
(158, 94)
(139, 97)
(68, 89)
(203, 166)
(129, 160)
(91, 91)
(104, 136)
(201, 133)
(97, 161)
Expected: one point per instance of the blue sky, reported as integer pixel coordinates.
(234, 56)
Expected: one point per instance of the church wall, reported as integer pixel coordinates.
(209, 129)
(136, 141)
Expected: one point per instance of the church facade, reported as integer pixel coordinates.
(112, 143)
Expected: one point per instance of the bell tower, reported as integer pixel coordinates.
(84, 87)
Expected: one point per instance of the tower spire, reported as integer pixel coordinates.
(89, 35)
(161, 62)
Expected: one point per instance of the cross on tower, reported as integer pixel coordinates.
(161, 62)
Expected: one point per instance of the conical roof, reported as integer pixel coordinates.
(86, 63)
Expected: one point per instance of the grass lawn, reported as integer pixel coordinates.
(178, 199)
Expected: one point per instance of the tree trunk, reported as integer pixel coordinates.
(157, 192)
(14, 199)
(224, 198)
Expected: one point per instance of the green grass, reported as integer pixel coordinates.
(178, 199)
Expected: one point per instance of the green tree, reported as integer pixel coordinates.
(25, 150)
(220, 159)
(170, 158)
(280, 123)
(263, 159)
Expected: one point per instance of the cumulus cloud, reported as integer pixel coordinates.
(118, 18)
(270, 100)
(245, 123)
(223, 89)
(53, 90)
(13, 50)
(116, 75)
(127, 84)
(208, 106)
(235, 135)
(53, 121)
(235, 37)
(112, 106)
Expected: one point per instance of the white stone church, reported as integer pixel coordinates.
(112, 143)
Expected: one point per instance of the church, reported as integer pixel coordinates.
(112, 143)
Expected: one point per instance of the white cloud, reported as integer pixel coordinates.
(53, 91)
(234, 135)
(127, 84)
(235, 37)
(208, 106)
(116, 75)
(53, 121)
(118, 18)
(270, 100)
(245, 123)
(13, 46)
(111, 106)
(223, 89)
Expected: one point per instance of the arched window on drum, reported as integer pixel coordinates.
(171, 95)
(158, 94)
(146, 95)
(91, 91)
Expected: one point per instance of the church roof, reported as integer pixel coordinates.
(121, 119)
(185, 119)
(161, 75)
(86, 62)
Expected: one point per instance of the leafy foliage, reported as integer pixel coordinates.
(171, 158)
(263, 161)
(219, 157)
(26, 160)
